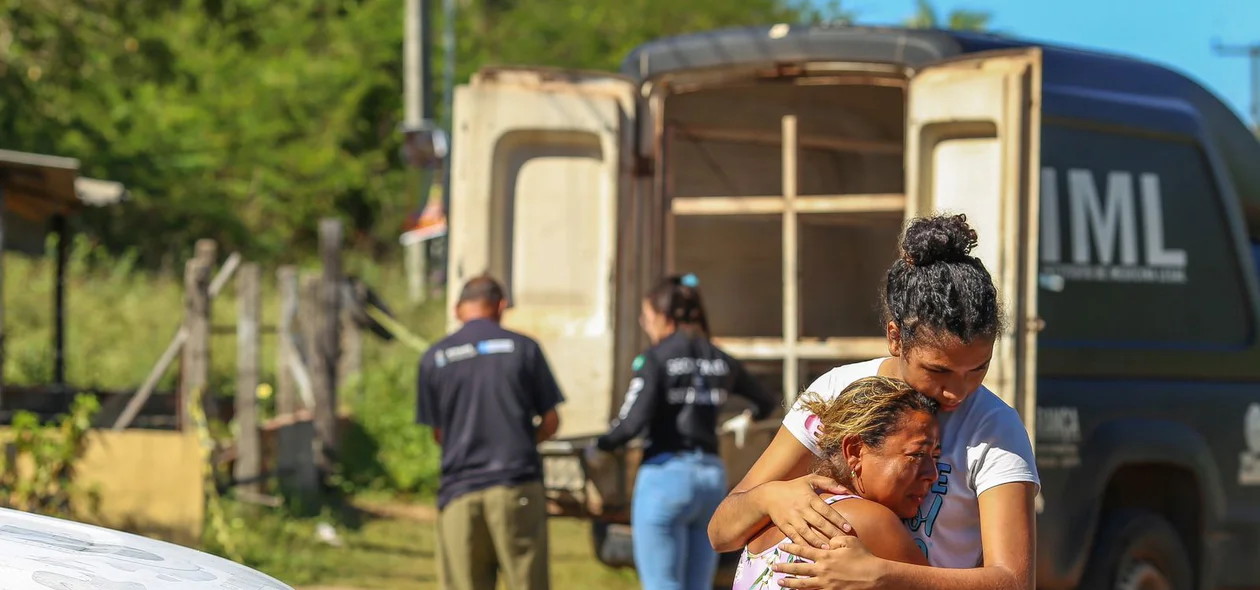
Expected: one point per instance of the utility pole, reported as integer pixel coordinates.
(424, 145)
(439, 251)
(1252, 52)
(448, 89)
(416, 70)
(448, 71)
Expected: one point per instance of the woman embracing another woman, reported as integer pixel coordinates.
(976, 525)
(879, 438)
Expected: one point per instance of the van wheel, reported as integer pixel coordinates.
(612, 543)
(1138, 550)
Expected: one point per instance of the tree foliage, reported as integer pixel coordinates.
(244, 120)
(247, 120)
(926, 17)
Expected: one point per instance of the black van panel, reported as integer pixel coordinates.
(1154, 193)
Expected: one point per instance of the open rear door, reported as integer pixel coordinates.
(536, 196)
(973, 146)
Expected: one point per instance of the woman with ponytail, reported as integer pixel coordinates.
(678, 388)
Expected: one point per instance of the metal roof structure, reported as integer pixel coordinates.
(38, 192)
(35, 188)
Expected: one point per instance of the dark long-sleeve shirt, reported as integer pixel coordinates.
(678, 388)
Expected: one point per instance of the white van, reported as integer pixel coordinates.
(41, 552)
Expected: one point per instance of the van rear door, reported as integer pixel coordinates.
(537, 192)
(973, 146)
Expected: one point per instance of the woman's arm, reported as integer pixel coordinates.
(636, 411)
(1008, 531)
(778, 489)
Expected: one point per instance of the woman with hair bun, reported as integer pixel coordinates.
(977, 525)
(678, 387)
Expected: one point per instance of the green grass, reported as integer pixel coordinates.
(397, 551)
(120, 319)
(117, 321)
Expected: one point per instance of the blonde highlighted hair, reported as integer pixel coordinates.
(870, 408)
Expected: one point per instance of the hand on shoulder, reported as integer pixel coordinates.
(794, 506)
(857, 561)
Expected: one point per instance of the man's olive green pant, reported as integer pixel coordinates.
(502, 528)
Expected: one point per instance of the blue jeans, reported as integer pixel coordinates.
(675, 495)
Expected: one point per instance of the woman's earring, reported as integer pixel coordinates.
(852, 474)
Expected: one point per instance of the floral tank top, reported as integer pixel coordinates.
(754, 573)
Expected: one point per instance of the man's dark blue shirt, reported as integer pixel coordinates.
(482, 387)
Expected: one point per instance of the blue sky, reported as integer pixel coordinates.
(1169, 32)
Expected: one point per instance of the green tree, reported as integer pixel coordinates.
(598, 34)
(247, 120)
(926, 17)
(237, 119)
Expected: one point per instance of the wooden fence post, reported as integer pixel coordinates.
(248, 467)
(327, 344)
(207, 251)
(195, 362)
(286, 395)
(351, 361)
(177, 344)
(308, 323)
(295, 439)
(308, 311)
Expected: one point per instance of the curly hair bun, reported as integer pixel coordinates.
(940, 238)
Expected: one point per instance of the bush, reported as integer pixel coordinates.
(384, 450)
(38, 476)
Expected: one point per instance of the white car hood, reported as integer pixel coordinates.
(41, 552)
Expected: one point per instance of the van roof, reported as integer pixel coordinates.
(1063, 67)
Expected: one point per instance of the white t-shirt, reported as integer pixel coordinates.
(983, 444)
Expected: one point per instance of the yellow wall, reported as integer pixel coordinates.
(150, 482)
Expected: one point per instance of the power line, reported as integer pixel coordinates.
(1252, 52)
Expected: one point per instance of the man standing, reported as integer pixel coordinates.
(490, 398)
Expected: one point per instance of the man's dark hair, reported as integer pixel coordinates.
(482, 289)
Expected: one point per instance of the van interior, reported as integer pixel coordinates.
(722, 142)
